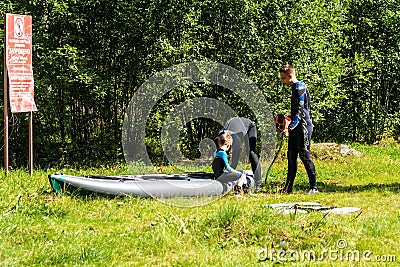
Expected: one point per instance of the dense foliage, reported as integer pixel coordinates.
(90, 56)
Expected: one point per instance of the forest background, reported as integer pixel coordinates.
(89, 58)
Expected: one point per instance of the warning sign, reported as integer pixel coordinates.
(19, 63)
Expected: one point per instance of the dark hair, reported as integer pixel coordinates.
(287, 69)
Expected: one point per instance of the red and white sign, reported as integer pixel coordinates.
(19, 62)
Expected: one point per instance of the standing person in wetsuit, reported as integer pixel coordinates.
(244, 130)
(299, 131)
(223, 172)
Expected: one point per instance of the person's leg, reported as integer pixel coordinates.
(236, 138)
(292, 170)
(237, 180)
(242, 180)
(256, 168)
(253, 158)
(252, 134)
(310, 168)
(228, 177)
(292, 162)
(304, 153)
(249, 186)
(228, 180)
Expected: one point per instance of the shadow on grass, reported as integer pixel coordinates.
(335, 187)
(391, 187)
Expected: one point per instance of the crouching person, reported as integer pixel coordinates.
(223, 172)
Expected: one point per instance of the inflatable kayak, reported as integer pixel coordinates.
(149, 185)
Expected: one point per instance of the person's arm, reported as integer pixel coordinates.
(224, 157)
(297, 104)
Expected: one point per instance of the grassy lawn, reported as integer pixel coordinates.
(39, 228)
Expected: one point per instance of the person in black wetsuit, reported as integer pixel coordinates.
(244, 130)
(299, 131)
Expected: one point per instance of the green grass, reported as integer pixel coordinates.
(39, 228)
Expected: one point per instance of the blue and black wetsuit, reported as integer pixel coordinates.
(300, 132)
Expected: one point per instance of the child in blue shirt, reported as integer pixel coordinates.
(223, 172)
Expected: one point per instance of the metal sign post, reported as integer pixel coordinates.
(30, 141)
(18, 76)
(5, 109)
